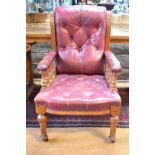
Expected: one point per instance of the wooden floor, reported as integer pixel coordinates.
(77, 141)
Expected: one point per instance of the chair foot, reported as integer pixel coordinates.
(111, 139)
(44, 137)
(42, 122)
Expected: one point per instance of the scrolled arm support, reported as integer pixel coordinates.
(48, 76)
(112, 69)
(47, 68)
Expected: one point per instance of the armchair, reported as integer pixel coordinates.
(79, 76)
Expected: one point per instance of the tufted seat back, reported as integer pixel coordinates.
(80, 34)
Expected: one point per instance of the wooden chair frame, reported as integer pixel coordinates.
(48, 76)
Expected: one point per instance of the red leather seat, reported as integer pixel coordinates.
(75, 93)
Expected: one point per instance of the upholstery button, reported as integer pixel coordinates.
(71, 37)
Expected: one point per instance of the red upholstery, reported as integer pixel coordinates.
(80, 32)
(78, 92)
(113, 62)
(80, 84)
(46, 61)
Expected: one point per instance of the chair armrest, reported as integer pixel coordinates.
(47, 68)
(113, 62)
(112, 69)
(44, 64)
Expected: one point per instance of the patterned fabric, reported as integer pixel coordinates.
(78, 93)
(80, 32)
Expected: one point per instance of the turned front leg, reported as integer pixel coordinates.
(42, 122)
(115, 111)
(113, 126)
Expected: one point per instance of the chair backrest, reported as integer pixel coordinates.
(80, 37)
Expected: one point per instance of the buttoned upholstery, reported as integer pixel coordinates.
(79, 84)
(80, 33)
(78, 93)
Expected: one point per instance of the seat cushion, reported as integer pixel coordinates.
(75, 93)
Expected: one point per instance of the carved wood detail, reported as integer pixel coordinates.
(110, 77)
(48, 76)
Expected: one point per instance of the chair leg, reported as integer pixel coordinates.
(42, 122)
(113, 125)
